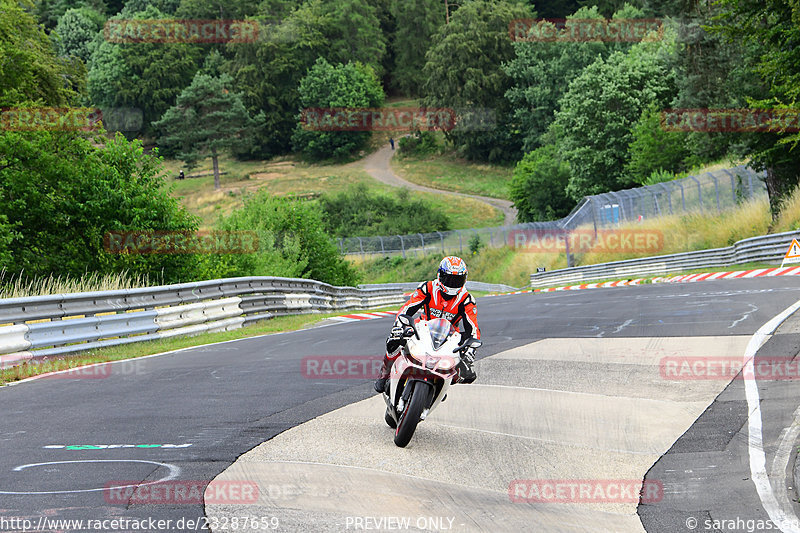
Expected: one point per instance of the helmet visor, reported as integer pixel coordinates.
(452, 281)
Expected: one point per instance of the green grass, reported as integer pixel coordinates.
(450, 173)
(489, 265)
(132, 351)
(289, 177)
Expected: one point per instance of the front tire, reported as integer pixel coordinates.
(420, 397)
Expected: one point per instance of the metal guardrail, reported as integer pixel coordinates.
(763, 249)
(60, 324)
(472, 286)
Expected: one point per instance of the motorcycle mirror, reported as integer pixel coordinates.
(475, 343)
(408, 322)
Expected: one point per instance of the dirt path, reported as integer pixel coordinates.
(377, 166)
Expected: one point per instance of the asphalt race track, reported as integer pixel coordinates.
(571, 387)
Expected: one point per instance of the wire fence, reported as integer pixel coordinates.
(710, 192)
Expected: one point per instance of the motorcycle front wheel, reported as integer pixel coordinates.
(420, 397)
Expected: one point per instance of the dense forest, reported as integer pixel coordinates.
(574, 116)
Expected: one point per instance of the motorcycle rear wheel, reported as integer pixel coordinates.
(420, 397)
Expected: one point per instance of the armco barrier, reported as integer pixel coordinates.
(763, 249)
(471, 286)
(61, 324)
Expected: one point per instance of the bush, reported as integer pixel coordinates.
(475, 244)
(325, 86)
(61, 193)
(654, 149)
(420, 143)
(538, 186)
(358, 212)
(292, 243)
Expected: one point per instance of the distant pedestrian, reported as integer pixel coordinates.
(391, 142)
(180, 175)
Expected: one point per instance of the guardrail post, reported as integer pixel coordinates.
(733, 184)
(422, 240)
(570, 261)
(699, 191)
(383, 250)
(669, 195)
(750, 182)
(441, 239)
(716, 189)
(361, 246)
(683, 196)
(341, 245)
(402, 246)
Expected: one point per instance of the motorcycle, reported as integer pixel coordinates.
(422, 374)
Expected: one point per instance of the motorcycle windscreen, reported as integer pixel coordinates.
(440, 329)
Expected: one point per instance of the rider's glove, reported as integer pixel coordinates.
(469, 355)
(396, 333)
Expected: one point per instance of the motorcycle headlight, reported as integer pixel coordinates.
(414, 357)
(445, 363)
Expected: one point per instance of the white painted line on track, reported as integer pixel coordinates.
(781, 461)
(174, 472)
(784, 518)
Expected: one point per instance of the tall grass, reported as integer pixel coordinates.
(20, 286)
(788, 218)
(695, 231)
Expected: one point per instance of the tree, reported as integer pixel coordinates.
(269, 71)
(653, 148)
(62, 192)
(145, 75)
(600, 108)
(29, 68)
(350, 86)
(207, 118)
(538, 186)
(463, 71)
(772, 28)
(540, 74)
(76, 29)
(354, 33)
(417, 22)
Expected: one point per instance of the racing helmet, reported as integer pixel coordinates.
(452, 275)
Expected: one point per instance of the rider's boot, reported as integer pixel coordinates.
(466, 373)
(383, 376)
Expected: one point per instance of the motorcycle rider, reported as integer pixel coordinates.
(445, 297)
